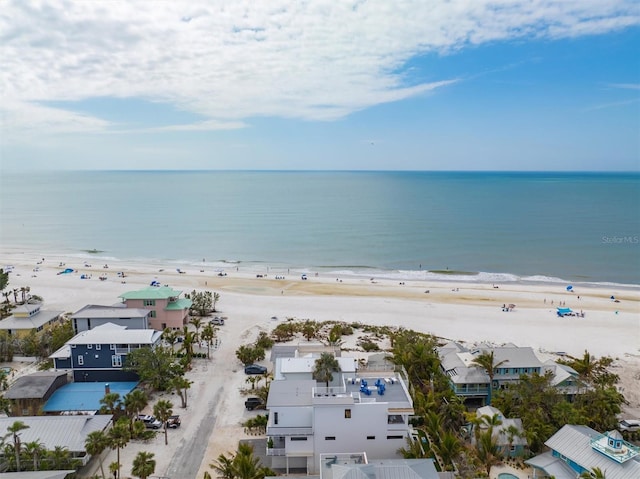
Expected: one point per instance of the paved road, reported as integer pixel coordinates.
(189, 455)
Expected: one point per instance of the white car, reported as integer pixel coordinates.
(630, 425)
(149, 421)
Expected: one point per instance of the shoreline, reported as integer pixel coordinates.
(10, 254)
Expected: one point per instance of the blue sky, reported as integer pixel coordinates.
(360, 85)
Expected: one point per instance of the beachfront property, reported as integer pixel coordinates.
(167, 309)
(93, 315)
(99, 353)
(28, 394)
(67, 432)
(29, 317)
(577, 449)
(471, 382)
(362, 409)
(509, 434)
(352, 466)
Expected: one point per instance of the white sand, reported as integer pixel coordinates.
(469, 312)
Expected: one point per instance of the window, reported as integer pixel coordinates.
(298, 438)
(73, 346)
(347, 413)
(89, 346)
(152, 314)
(395, 437)
(116, 361)
(395, 419)
(330, 438)
(112, 347)
(98, 347)
(149, 302)
(275, 418)
(369, 438)
(80, 360)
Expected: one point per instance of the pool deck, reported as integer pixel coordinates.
(519, 473)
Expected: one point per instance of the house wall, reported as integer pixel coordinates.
(366, 430)
(27, 407)
(161, 318)
(62, 363)
(103, 375)
(85, 324)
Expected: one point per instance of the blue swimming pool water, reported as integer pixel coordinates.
(506, 475)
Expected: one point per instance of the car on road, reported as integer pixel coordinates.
(173, 422)
(254, 369)
(631, 425)
(149, 421)
(253, 403)
(217, 320)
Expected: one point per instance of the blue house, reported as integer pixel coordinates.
(99, 353)
(577, 449)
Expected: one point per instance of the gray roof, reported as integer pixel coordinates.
(65, 431)
(385, 469)
(110, 333)
(552, 466)
(290, 393)
(33, 386)
(106, 312)
(574, 442)
(500, 431)
(31, 322)
(36, 474)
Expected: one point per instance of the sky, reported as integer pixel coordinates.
(320, 85)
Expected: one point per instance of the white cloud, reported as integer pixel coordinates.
(233, 60)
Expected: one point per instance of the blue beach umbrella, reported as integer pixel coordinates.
(569, 288)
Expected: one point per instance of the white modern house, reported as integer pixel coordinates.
(363, 409)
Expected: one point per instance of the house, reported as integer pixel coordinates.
(29, 394)
(167, 309)
(99, 353)
(471, 383)
(355, 466)
(29, 317)
(362, 409)
(576, 449)
(69, 432)
(510, 435)
(93, 315)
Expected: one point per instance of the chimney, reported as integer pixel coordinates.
(107, 389)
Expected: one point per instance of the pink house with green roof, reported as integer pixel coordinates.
(168, 310)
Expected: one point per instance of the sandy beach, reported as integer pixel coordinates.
(462, 311)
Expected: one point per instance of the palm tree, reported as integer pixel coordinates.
(59, 458)
(181, 385)
(448, 448)
(512, 432)
(596, 473)
(14, 429)
(34, 449)
(245, 464)
(488, 450)
(197, 323)
(162, 410)
(216, 298)
(208, 333)
(487, 362)
(134, 402)
(224, 467)
(95, 444)
(325, 366)
(119, 436)
(111, 404)
(144, 465)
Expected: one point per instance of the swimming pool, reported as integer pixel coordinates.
(506, 475)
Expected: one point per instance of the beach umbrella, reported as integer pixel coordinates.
(569, 288)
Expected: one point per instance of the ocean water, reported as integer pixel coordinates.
(500, 226)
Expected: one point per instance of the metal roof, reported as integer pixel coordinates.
(33, 386)
(62, 474)
(152, 292)
(64, 431)
(31, 322)
(574, 442)
(96, 311)
(181, 303)
(110, 333)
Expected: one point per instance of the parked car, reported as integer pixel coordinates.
(173, 422)
(630, 425)
(253, 403)
(254, 369)
(217, 320)
(149, 421)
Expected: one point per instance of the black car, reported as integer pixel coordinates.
(253, 403)
(254, 369)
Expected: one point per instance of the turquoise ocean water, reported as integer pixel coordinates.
(505, 226)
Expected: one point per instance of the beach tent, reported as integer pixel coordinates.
(569, 288)
(564, 312)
